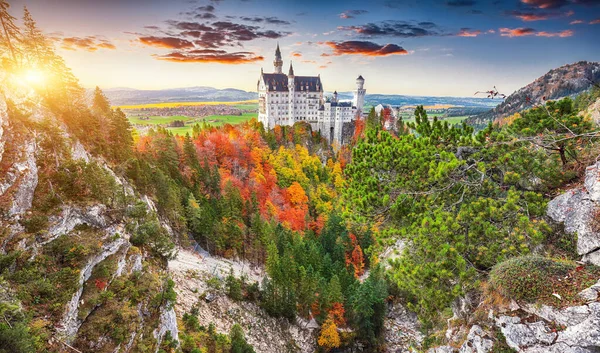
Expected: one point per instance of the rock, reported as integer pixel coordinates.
(442, 349)
(265, 333)
(477, 341)
(463, 306)
(168, 323)
(591, 294)
(401, 329)
(567, 317)
(576, 208)
(524, 335)
(592, 258)
(585, 334)
(70, 324)
(591, 182)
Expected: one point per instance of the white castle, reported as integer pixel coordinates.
(287, 99)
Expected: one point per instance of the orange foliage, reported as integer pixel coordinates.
(245, 160)
(337, 312)
(356, 258)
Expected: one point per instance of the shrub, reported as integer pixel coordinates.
(528, 277)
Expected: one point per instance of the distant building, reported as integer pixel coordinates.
(287, 99)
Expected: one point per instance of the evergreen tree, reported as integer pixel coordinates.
(11, 34)
(121, 142)
(35, 45)
(238, 340)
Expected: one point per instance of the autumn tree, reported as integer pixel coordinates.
(329, 337)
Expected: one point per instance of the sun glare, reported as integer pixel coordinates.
(34, 77)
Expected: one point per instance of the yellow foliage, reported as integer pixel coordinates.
(297, 194)
(329, 337)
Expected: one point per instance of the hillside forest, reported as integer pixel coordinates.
(316, 217)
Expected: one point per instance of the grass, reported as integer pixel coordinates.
(178, 104)
(214, 120)
(453, 120)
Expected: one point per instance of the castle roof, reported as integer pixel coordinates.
(279, 83)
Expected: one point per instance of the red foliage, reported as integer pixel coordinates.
(356, 258)
(100, 284)
(337, 312)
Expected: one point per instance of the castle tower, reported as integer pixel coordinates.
(278, 63)
(335, 97)
(359, 94)
(292, 91)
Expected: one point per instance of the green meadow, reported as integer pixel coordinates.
(214, 120)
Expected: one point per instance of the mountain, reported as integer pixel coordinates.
(123, 96)
(565, 81)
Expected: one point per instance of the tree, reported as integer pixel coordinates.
(554, 127)
(10, 32)
(121, 142)
(238, 340)
(329, 337)
(35, 45)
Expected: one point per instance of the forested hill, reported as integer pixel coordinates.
(565, 81)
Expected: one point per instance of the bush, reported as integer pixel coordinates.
(528, 277)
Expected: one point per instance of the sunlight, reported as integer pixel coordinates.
(34, 77)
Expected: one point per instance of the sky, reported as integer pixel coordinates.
(435, 47)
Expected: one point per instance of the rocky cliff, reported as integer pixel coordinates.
(565, 81)
(492, 323)
(70, 259)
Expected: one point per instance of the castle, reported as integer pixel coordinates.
(287, 99)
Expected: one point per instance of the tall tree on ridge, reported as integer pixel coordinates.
(10, 31)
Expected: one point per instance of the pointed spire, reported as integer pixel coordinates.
(291, 70)
(277, 52)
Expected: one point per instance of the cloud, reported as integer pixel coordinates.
(210, 56)
(364, 48)
(562, 34)
(221, 33)
(269, 20)
(517, 32)
(576, 22)
(296, 54)
(88, 43)
(595, 22)
(205, 16)
(166, 42)
(461, 3)
(546, 4)
(554, 4)
(208, 8)
(400, 29)
(475, 12)
(467, 32)
(352, 13)
(530, 16)
(522, 32)
(208, 41)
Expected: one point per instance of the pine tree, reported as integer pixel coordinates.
(238, 340)
(11, 34)
(35, 45)
(121, 142)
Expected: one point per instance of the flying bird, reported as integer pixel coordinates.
(492, 93)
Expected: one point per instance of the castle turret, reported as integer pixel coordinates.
(335, 97)
(292, 92)
(278, 62)
(359, 94)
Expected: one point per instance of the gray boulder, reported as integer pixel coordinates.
(576, 208)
